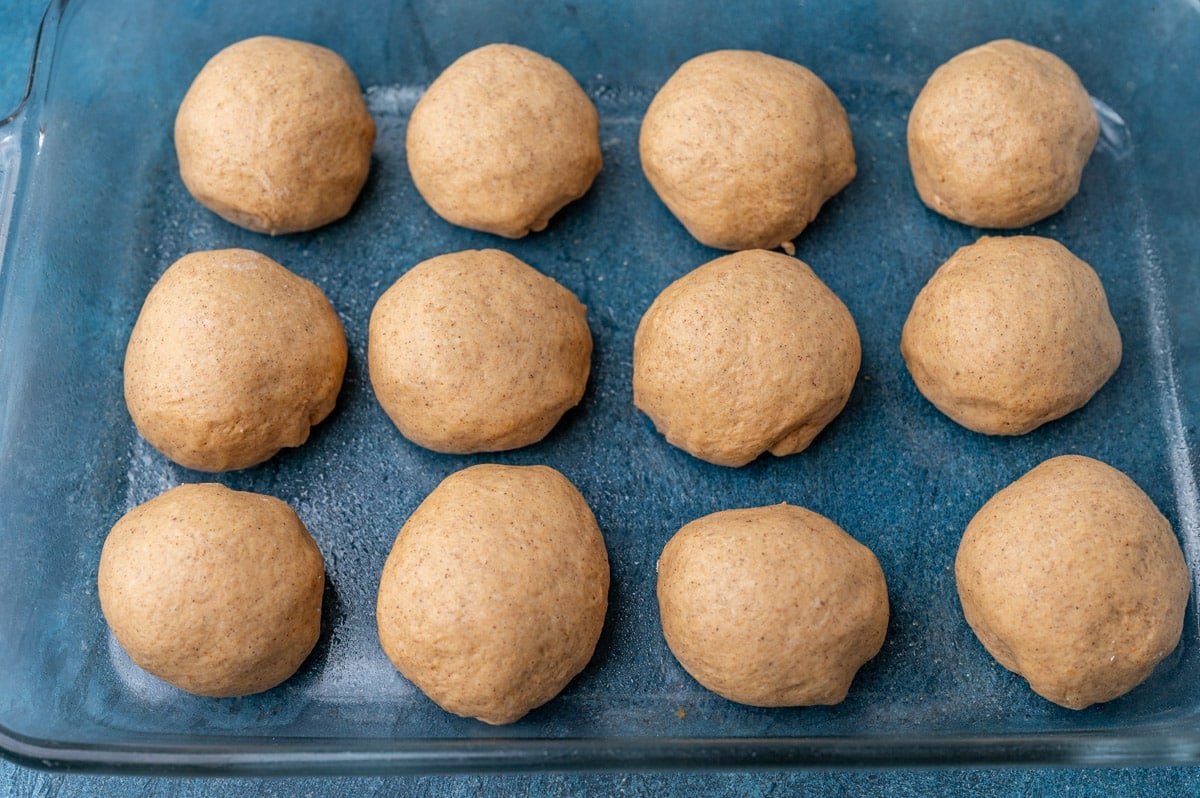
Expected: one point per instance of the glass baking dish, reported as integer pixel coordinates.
(92, 210)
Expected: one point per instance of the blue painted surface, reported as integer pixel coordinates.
(931, 481)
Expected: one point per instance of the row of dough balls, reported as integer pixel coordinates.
(495, 591)
(743, 147)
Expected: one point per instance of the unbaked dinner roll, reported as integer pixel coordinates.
(273, 135)
(502, 140)
(1072, 578)
(477, 352)
(749, 353)
(999, 135)
(494, 594)
(232, 358)
(213, 590)
(771, 606)
(744, 148)
(1011, 333)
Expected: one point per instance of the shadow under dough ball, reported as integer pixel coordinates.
(744, 148)
(502, 140)
(1009, 333)
(273, 135)
(494, 594)
(746, 354)
(1072, 578)
(999, 135)
(215, 591)
(476, 351)
(232, 358)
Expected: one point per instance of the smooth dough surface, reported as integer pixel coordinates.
(1072, 578)
(494, 594)
(999, 135)
(273, 135)
(771, 606)
(749, 353)
(744, 148)
(232, 358)
(502, 140)
(213, 590)
(476, 351)
(1010, 333)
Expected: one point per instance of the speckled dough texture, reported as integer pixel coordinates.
(999, 135)
(273, 135)
(1010, 333)
(502, 140)
(213, 590)
(771, 606)
(749, 353)
(477, 351)
(744, 148)
(232, 358)
(1072, 578)
(494, 594)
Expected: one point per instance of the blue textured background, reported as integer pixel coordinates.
(17, 23)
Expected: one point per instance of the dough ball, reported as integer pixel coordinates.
(213, 590)
(1072, 578)
(232, 358)
(749, 353)
(502, 140)
(1000, 134)
(477, 352)
(274, 136)
(771, 606)
(1011, 333)
(744, 148)
(494, 593)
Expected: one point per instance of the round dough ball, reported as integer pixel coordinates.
(1011, 333)
(213, 590)
(502, 140)
(771, 606)
(1000, 134)
(478, 352)
(232, 358)
(494, 593)
(274, 136)
(751, 352)
(1072, 578)
(744, 148)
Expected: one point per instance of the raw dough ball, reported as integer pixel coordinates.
(477, 352)
(1011, 333)
(232, 358)
(771, 606)
(1072, 578)
(494, 593)
(214, 590)
(274, 136)
(502, 140)
(1000, 134)
(749, 353)
(745, 148)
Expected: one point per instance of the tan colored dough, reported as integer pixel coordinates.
(749, 353)
(213, 590)
(478, 352)
(744, 148)
(999, 135)
(502, 140)
(273, 135)
(771, 606)
(494, 594)
(232, 358)
(1011, 333)
(1072, 578)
